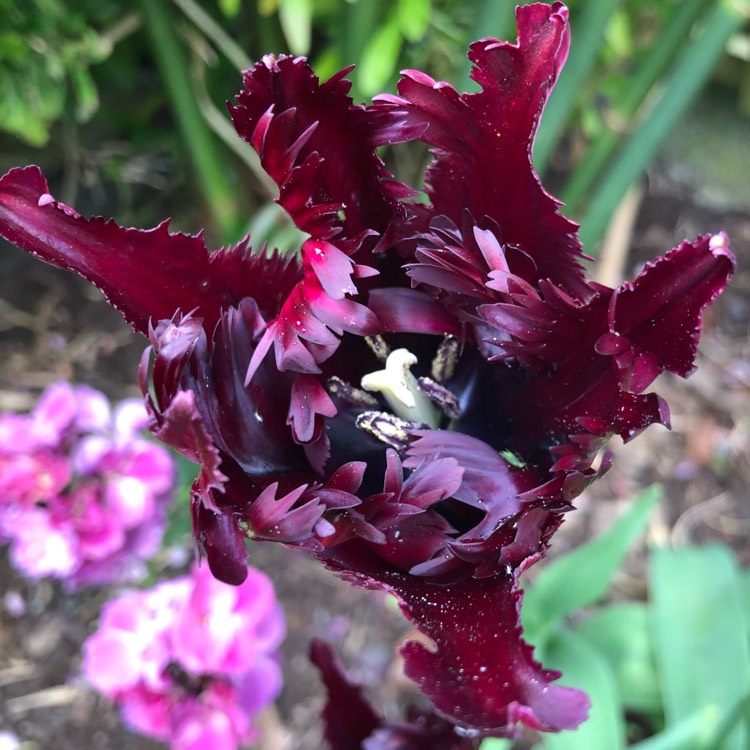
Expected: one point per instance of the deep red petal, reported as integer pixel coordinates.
(145, 274)
(318, 147)
(659, 315)
(351, 723)
(484, 140)
(348, 717)
(480, 677)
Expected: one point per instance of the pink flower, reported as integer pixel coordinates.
(82, 495)
(192, 660)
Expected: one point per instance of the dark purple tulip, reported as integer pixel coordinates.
(351, 723)
(418, 397)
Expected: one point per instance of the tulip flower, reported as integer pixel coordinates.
(418, 396)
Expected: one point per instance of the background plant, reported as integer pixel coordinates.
(633, 70)
(669, 673)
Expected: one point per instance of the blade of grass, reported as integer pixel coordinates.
(738, 713)
(171, 59)
(358, 21)
(587, 29)
(676, 27)
(700, 633)
(229, 48)
(683, 84)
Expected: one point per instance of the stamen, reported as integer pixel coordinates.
(388, 428)
(401, 390)
(378, 346)
(350, 394)
(444, 363)
(444, 399)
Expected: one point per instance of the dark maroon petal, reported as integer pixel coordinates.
(432, 481)
(486, 483)
(409, 310)
(218, 536)
(481, 677)
(246, 422)
(318, 147)
(182, 427)
(333, 268)
(239, 272)
(249, 420)
(348, 717)
(309, 403)
(275, 518)
(144, 274)
(351, 723)
(483, 141)
(658, 318)
(303, 335)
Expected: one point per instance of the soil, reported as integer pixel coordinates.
(54, 326)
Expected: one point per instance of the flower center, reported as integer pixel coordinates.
(400, 388)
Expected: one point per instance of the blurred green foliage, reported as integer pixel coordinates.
(47, 48)
(157, 74)
(668, 673)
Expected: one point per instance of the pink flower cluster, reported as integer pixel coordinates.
(82, 495)
(191, 661)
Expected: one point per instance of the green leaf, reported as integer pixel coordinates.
(583, 576)
(295, 17)
(700, 633)
(495, 743)
(642, 81)
(621, 633)
(413, 18)
(379, 58)
(585, 668)
(87, 97)
(680, 88)
(230, 8)
(692, 733)
(588, 28)
(745, 593)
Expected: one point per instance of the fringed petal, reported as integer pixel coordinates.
(318, 147)
(483, 141)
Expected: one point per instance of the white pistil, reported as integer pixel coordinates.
(401, 390)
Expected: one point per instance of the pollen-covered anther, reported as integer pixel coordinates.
(378, 347)
(401, 390)
(444, 399)
(445, 360)
(388, 428)
(347, 392)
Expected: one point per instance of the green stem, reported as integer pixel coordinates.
(231, 50)
(171, 59)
